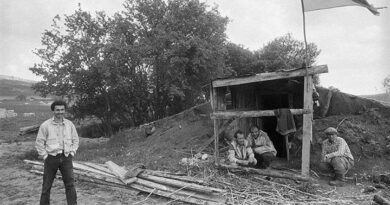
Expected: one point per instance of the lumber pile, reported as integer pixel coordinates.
(166, 184)
(28, 129)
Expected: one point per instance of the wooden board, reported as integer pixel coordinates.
(270, 76)
(253, 113)
(307, 125)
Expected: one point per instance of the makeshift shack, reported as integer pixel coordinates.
(252, 100)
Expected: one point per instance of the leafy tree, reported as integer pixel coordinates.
(95, 63)
(282, 53)
(239, 59)
(21, 98)
(285, 53)
(114, 67)
(183, 43)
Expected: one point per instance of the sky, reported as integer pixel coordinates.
(354, 43)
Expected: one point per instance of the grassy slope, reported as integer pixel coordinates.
(15, 88)
(384, 97)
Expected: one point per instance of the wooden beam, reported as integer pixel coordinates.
(270, 76)
(253, 113)
(307, 124)
(213, 97)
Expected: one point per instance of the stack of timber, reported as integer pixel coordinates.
(166, 184)
(28, 129)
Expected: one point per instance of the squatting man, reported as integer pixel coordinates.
(336, 156)
(240, 152)
(256, 150)
(263, 148)
(57, 142)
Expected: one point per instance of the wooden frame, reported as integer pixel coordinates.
(270, 76)
(217, 95)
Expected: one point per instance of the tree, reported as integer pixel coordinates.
(282, 53)
(183, 43)
(94, 62)
(114, 67)
(21, 97)
(286, 53)
(386, 84)
(239, 59)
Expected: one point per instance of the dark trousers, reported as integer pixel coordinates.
(64, 164)
(338, 165)
(264, 160)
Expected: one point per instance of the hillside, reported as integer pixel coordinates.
(12, 86)
(383, 97)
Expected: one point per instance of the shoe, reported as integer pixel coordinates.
(338, 181)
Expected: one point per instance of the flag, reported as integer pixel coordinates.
(312, 5)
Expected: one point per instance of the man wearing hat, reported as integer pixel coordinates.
(336, 156)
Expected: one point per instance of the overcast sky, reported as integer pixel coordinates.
(355, 44)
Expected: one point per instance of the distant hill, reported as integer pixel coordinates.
(13, 86)
(384, 97)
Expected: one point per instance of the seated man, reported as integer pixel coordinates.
(240, 153)
(336, 156)
(262, 146)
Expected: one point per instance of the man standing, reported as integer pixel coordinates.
(262, 146)
(336, 156)
(240, 153)
(57, 142)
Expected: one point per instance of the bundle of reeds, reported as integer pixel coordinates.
(166, 184)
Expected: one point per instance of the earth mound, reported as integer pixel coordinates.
(364, 124)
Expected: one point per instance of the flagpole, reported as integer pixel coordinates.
(304, 35)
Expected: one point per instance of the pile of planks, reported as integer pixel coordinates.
(165, 184)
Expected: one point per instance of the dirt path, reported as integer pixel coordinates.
(19, 186)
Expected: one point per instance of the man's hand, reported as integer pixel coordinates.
(243, 162)
(42, 157)
(252, 160)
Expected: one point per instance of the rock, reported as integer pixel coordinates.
(205, 156)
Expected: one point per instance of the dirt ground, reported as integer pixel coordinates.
(19, 186)
(368, 135)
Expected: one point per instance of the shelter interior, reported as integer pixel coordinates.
(264, 95)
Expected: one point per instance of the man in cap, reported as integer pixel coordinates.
(336, 156)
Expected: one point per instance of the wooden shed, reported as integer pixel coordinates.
(252, 101)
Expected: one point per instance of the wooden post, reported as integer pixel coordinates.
(290, 105)
(213, 97)
(307, 124)
(287, 147)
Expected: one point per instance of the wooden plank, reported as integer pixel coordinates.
(117, 170)
(307, 124)
(253, 113)
(215, 122)
(270, 76)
